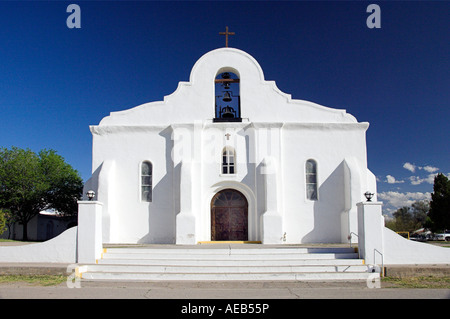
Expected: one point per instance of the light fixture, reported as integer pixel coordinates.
(90, 194)
(369, 196)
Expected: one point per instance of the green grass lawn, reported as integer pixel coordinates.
(416, 282)
(38, 280)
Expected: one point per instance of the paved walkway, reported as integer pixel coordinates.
(216, 290)
(205, 290)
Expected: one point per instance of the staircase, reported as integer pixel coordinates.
(228, 262)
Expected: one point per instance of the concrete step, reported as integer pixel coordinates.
(228, 263)
(231, 257)
(225, 254)
(312, 276)
(231, 251)
(223, 269)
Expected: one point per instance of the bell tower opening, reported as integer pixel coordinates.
(227, 99)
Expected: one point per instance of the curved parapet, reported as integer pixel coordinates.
(260, 100)
(398, 250)
(61, 249)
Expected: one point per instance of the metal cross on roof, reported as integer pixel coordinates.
(226, 34)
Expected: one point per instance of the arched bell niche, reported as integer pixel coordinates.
(227, 99)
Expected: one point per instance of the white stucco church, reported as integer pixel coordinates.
(229, 157)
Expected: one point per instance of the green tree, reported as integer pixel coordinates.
(403, 219)
(419, 211)
(10, 219)
(30, 183)
(2, 221)
(440, 204)
(409, 218)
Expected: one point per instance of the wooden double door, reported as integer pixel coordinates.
(229, 216)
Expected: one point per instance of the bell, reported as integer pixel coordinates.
(226, 97)
(227, 112)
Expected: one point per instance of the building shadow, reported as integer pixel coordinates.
(328, 209)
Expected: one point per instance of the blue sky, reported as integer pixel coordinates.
(56, 81)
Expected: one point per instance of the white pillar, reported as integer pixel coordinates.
(185, 220)
(90, 245)
(370, 232)
(272, 222)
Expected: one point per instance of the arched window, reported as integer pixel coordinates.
(311, 179)
(228, 160)
(227, 100)
(146, 181)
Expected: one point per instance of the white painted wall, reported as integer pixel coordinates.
(398, 250)
(61, 249)
(380, 245)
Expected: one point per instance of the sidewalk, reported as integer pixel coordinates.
(212, 291)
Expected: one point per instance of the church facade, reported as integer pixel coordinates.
(229, 157)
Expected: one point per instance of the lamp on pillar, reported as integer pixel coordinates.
(369, 196)
(90, 195)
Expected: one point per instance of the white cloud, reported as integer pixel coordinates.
(391, 180)
(430, 179)
(412, 167)
(397, 200)
(416, 180)
(430, 169)
(409, 167)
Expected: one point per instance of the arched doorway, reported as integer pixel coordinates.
(229, 216)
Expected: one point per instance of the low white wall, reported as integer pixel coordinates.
(375, 241)
(61, 249)
(398, 250)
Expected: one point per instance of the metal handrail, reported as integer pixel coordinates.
(382, 260)
(350, 237)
